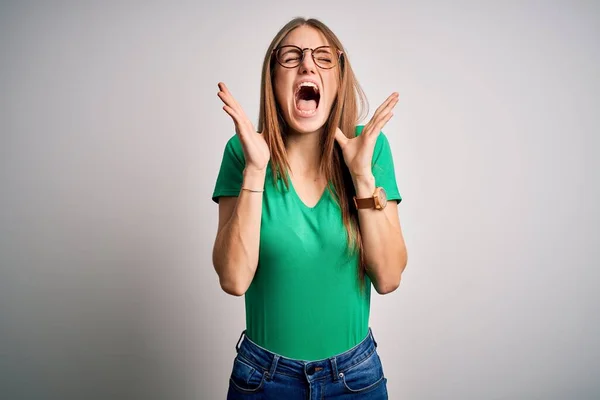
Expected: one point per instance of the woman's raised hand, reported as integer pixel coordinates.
(254, 145)
(358, 151)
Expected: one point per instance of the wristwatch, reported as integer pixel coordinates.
(378, 201)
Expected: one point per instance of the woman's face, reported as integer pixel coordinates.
(306, 92)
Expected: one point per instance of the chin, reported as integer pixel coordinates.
(307, 124)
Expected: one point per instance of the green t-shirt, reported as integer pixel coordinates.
(304, 301)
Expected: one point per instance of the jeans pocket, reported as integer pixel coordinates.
(244, 377)
(364, 376)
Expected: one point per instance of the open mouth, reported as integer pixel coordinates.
(307, 98)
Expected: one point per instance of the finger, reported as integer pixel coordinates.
(375, 121)
(225, 99)
(387, 105)
(237, 120)
(228, 99)
(341, 138)
(242, 125)
(379, 126)
(232, 113)
(240, 117)
(391, 98)
(231, 105)
(231, 101)
(388, 109)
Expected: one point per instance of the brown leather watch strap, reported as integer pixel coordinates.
(368, 202)
(378, 201)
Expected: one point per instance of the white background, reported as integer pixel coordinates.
(111, 140)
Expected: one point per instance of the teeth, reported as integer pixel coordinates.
(311, 84)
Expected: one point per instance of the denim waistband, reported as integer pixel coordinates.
(271, 363)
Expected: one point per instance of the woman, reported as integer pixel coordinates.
(305, 227)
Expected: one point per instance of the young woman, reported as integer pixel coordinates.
(308, 222)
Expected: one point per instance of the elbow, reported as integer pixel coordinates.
(387, 287)
(235, 282)
(391, 282)
(232, 288)
(229, 284)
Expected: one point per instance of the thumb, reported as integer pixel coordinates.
(340, 137)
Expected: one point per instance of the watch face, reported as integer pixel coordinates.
(382, 197)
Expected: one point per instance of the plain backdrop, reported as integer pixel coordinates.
(112, 136)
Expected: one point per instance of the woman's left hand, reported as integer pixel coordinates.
(358, 151)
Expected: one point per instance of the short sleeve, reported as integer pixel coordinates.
(383, 167)
(231, 174)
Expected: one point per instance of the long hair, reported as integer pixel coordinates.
(350, 100)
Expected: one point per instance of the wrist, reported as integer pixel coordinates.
(254, 179)
(364, 185)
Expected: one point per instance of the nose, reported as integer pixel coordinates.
(308, 64)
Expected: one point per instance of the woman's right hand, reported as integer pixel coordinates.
(256, 150)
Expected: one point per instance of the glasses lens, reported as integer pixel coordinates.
(289, 56)
(325, 57)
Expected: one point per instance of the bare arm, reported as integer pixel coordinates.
(235, 252)
(383, 241)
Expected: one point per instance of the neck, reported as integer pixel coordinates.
(304, 153)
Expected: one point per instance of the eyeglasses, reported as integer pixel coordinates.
(291, 56)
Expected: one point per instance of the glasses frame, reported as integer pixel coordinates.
(312, 54)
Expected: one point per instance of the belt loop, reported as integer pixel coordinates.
(334, 368)
(237, 346)
(271, 371)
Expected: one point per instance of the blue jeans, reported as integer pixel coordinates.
(260, 374)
